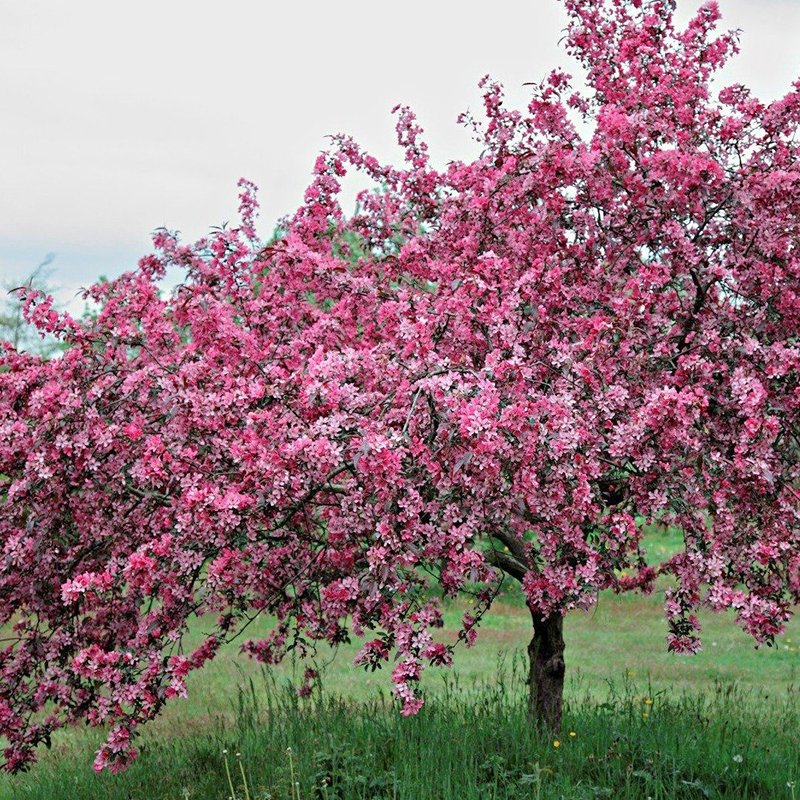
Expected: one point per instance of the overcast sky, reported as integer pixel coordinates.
(118, 118)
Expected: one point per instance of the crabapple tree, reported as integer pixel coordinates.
(504, 368)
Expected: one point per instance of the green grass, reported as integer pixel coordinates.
(466, 743)
(472, 738)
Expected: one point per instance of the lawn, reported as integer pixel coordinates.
(675, 721)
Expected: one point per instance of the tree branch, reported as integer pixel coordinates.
(507, 563)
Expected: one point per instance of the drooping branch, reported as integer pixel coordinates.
(506, 562)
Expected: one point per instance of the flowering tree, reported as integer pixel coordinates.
(505, 368)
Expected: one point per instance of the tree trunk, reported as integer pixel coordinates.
(546, 677)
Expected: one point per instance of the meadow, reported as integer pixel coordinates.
(639, 722)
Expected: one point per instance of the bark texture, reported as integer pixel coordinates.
(546, 677)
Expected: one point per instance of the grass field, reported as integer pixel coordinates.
(646, 723)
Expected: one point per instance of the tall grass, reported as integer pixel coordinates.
(468, 742)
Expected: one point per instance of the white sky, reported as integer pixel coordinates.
(118, 118)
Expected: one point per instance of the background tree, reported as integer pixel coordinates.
(13, 327)
(506, 368)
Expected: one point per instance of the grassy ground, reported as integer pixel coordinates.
(633, 743)
(728, 701)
